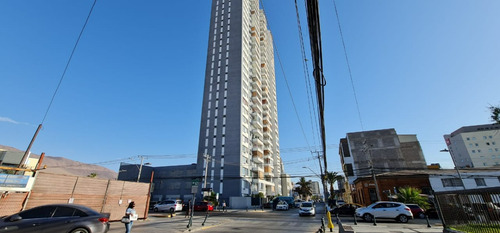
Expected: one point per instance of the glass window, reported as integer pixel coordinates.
(63, 211)
(39, 212)
(451, 182)
(480, 181)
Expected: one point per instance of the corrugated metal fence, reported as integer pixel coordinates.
(106, 196)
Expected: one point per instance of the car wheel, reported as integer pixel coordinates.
(80, 230)
(402, 218)
(368, 217)
(155, 209)
(421, 215)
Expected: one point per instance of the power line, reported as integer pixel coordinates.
(348, 66)
(286, 82)
(69, 61)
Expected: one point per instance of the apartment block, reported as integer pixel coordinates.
(238, 150)
(476, 146)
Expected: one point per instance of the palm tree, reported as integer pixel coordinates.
(495, 114)
(304, 188)
(412, 195)
(331, 178)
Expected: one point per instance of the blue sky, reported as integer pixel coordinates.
(134, 86)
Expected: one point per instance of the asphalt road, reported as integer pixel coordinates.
(266, 221)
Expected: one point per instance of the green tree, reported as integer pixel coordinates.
(411, 195)
(495, 114)
(331, 178)
(92, 175)
(304, 188)
(212, 198)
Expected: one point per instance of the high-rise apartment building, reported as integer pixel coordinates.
(239, 122)
(475, 146)
(379, 151)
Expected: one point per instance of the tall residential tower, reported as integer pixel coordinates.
(239, 121)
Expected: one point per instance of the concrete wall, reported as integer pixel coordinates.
(240, 202)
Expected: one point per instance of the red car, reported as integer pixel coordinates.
(416, 211)
(203, 206)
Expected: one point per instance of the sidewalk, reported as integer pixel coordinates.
(157, 223)
(363, 227)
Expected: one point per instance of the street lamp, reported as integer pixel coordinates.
(322, 182)
(455, 164)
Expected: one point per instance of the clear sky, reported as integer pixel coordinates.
(135, 83)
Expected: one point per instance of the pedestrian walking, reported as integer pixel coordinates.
(130, 212)
(224, 206)
(188, 210)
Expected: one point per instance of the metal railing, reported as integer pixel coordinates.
(471, 210)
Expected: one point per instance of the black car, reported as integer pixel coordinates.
(345, 209)
(63, 218)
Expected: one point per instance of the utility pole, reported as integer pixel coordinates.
(368, 149)
(207, 159)
(375, 181)
(322, 177)
(140, 168)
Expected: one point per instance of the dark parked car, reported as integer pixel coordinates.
(345, 209)
(63, 218)
(268, 205)
(203, 206)
(416, 211)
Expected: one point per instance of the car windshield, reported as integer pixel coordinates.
(307, 204)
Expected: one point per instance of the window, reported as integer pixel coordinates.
(40, 212)
(480, 181)
(348, 168)
(452, 182)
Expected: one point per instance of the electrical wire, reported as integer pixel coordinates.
(68, 62)
(348, 66)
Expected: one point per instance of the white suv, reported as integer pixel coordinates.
(169, 205)
(385, 209)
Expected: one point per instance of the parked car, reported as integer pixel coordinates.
(268, 205)
(169, 205)
(203, 206)
(307, 208)
(64, 218)
(289, 200)
(340, 202)
(416, 210)
(297, 203)
(282, 205)
(385, 210)
(346, 209)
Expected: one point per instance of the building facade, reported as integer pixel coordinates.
(315, 189)
(169, 182)
(377, 151)
(475, 146)
(238, 148)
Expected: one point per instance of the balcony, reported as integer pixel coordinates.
(257, 109)
(256, 122)
(257, 132)
(257, 141)
(259, 169)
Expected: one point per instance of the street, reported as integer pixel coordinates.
(257, 220)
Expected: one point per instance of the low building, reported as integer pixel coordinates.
(169, 182)
(429, 181)
(449, 180)
(364, 191)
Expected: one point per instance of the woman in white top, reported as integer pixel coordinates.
(132, 215)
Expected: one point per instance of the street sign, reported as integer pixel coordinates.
(194, 189)
(194, 182)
